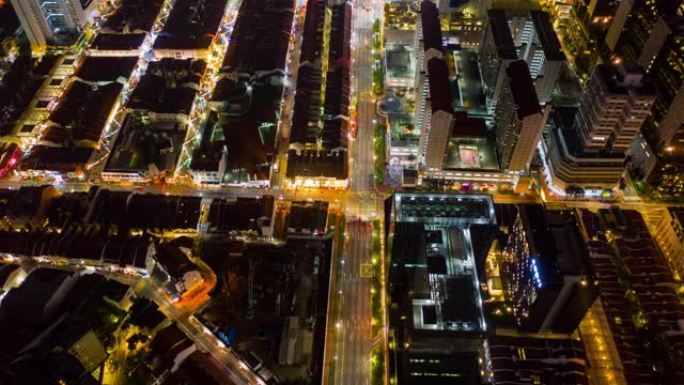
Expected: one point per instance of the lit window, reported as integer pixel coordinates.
(521, 354)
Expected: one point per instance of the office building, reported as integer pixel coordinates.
(669, 232)
(535, 360)
(435, 317)
(589, 150)
(545, 263)
(631, 34)
(50, 22)
(584, 32)
(614, 107)
(663, 133)
(519, 119)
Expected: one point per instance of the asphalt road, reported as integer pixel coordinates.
(351, 345)
(362, 154)
(353, 326)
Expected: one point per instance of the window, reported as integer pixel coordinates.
(42, 104)
(26, 128)
(521, 354)
(56, 82)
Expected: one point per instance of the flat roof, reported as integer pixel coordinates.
(554, 237)
(429, 207)
(118, 41)
(522, 88)
(468, 126)
(501, 32)
(106, 68)
(432, 31)
(547, 36)
(441, 95)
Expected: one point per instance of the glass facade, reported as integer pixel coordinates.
(54, 16)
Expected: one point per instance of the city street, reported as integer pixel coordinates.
(353, 324)
(349, 349)
(362, 164)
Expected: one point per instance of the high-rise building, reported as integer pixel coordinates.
(614, 107)
(48, 22)
(497, 51)
(631, 34)
(519, 119)
(650, 34)
(588, 143)
(434, 113)
(584, 32)
(544, 55)
(440, 117)
(669, 232)
(663, 133)
(521, 34)
(547, 270)
(428, 45)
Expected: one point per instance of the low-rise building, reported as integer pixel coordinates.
(154, 130)
(190, 29)
(128, 30)
(173, 269)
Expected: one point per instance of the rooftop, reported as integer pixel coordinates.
(547, 36)
(192, 25)
(312, 41)
(261, 36)
(557, 361)
(441, 95)
(554, 237)
(168, 86)
(432, 31)
(105, 68)
(19, 86)
(143, 143)
(132, 17)
(503, 39)
(174, 260)
(241, 214)
(315, 164)
(522, 88)
(624, 79)
(82, 113)
(466, 126)
(112, 41)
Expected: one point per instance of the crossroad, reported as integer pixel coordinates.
(350, 343)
